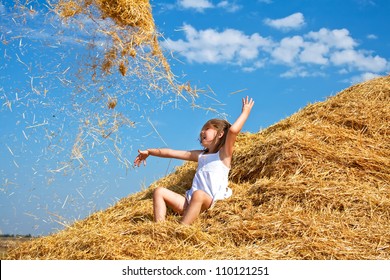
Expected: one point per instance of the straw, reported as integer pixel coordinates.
(313, 186)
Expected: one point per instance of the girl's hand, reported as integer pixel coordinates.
(247, 104)
(142, 155)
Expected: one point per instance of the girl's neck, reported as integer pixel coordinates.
(212, 148)
(210, 151)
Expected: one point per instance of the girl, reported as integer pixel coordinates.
(211, 179)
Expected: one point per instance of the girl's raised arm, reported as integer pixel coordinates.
(236, 127)
(166, 153)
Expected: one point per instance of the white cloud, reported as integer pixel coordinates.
(288, 49)
(305, 55)
(365, 3)
(359, 60)
(302, 72)
(372, 36)
(230, 7)
(199, 5)
(336, 38)
(325, 47)
(211, 46)
(363, 77)
(294, 21)
(254, 66)
(314, 53)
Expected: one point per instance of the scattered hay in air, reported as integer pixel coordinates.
(131, 50)
(112, 103)
(132, 31)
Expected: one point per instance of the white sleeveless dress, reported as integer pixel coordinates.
(212, 177)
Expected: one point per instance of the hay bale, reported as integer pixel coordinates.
(313, 186)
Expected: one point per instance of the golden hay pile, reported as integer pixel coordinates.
(313, 186)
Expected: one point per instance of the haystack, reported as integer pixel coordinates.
(313, 186)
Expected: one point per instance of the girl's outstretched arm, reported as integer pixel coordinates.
(236, 127)
(166, 153)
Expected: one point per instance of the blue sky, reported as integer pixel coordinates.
(55, 165)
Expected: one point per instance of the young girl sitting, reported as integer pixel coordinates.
(211, 179)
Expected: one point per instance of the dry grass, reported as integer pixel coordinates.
(8, 243)
(313, 186)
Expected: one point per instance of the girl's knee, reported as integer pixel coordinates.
(200, 195)
(202, 199)
(158, 192)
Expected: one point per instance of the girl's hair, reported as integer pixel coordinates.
(220, 126)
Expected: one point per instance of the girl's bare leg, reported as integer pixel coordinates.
(200, 201)
(162, 198)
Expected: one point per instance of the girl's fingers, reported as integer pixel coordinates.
(247, 101)
(138, 160)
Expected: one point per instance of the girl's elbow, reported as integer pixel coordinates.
(234, 130)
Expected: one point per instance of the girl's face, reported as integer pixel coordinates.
(208, 135)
